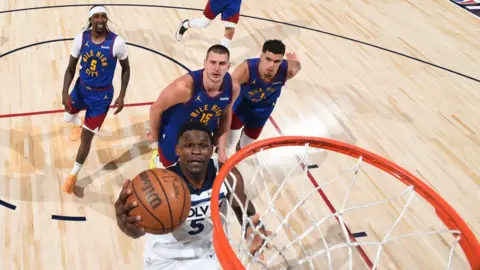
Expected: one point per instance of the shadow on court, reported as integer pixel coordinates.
(3, 40)
(33, 178)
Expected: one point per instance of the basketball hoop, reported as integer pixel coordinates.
(229, 258)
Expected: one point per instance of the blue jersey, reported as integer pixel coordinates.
(259, 93)
(97, 63)
(201, 107)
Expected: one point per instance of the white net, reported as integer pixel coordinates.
(327, 210)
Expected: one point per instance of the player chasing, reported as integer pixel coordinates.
(190, 246)
(230, 10)
(261, 80)
(205, 95)
(99, 49)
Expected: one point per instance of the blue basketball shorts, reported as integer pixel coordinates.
(230, 10)
(167, 142)
(250, 115)
(96, 102)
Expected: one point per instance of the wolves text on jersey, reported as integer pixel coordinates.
(198, 216)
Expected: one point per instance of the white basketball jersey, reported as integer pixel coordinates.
(193, 239)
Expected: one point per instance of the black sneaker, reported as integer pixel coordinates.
(181, 30)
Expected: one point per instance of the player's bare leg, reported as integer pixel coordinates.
(229, 32)
(83, 150)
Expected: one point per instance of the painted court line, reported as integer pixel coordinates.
(327, 201)
(61, 110)
(311, 178)
(69, 218)
(8, 205)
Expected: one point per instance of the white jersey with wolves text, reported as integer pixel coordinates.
(193, 239)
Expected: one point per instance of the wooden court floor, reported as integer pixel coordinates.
(400, 78)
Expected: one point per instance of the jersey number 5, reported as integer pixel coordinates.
(93, 65)
(197, 226)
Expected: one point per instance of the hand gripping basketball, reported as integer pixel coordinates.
(126, 223)
(163, 200)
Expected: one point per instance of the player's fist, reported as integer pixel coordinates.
(222, 155)
(119, 103)
(149, 136)
(292, 56)
(67, 101)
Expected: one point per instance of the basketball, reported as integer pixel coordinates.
(163, 200)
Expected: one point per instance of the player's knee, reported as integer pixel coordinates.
(69, 118)
(253, 133)
(87, 136)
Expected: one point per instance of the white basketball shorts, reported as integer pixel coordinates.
(155, 262)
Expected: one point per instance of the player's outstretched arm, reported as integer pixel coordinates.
(178, 91)
(237, 204)
(125, 222)
(294, 65)
(224, 124)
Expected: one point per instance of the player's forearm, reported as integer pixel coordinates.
(239, 212)
(67, 80)
(222, 141)
(125, 80)
(155, 118)
(222, 133)
(224, 124)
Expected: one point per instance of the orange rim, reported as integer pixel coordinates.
(229, 260)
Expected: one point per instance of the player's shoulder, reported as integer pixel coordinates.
(195, 73)
(186, 81)
(250, 62)
(118, 40)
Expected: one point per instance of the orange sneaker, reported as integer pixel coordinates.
(69, 184)
(75, 133)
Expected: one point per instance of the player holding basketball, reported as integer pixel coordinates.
(99, 49)
(230, 10)
(261, 81)
(205, 95)
(190, 246)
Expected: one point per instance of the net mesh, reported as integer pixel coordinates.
(367, 221)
